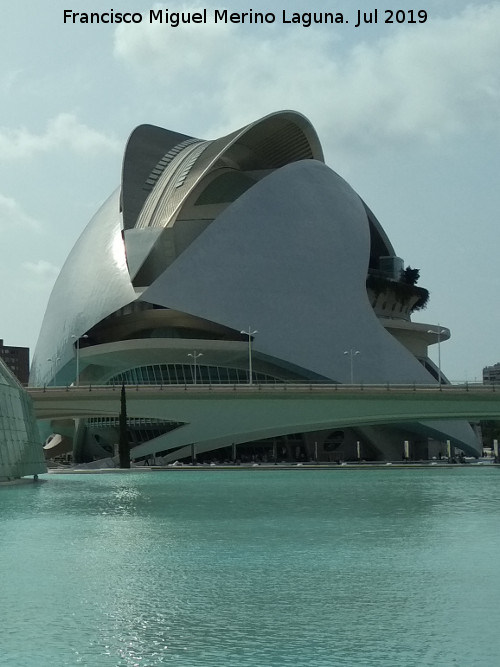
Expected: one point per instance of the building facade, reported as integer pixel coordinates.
(242, 259)
(17, 359)
(491, 374)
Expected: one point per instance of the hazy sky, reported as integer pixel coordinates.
(409, 114)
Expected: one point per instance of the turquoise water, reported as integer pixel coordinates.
(252, 568)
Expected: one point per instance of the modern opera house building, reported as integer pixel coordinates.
(208, 243)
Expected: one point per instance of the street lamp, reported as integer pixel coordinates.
(352, 353)
(249, 333)
(195, 355)
(53, 361)
(78, 339)
(438, 333)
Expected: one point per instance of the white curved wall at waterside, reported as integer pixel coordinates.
(21, 451)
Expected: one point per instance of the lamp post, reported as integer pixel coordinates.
(249, 333)
(195, 355)
(53, 361)
(352, 353)
(438, 333)
(78, 339)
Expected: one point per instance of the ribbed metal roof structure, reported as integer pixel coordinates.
(269, 143)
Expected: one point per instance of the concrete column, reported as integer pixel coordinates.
(407, 450)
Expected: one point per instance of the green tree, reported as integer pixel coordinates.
(410, 276)
(123, 443)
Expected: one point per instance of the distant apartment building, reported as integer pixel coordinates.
(491, 374)
(17, 359)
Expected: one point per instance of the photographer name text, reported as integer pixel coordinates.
(174, 19)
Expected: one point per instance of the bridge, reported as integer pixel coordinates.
(222, 414)
(367, 404)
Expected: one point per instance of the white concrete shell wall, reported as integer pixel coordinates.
(93, 283)
(21, 451)
(290, 259)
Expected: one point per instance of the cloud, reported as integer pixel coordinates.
(40, 275)
(64, 131)
(13, 217)
(425, 82)
(9, 79)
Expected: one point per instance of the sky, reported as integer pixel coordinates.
(407, 113)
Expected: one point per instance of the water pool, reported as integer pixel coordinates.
(252, 568)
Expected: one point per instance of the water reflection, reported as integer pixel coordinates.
(249, 568)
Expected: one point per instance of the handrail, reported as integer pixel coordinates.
(273, 388)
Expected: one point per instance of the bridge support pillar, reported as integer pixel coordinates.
(407, 450)
(450, 449)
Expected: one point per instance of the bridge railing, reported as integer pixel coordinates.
(272, 388)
